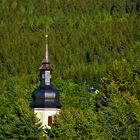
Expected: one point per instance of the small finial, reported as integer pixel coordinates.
(46, 36)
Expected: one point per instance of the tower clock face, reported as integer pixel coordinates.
(47, 77)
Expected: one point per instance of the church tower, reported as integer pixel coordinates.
(45, 102)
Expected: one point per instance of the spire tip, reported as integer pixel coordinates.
(46, 36)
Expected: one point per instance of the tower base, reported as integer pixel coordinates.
(46, 115)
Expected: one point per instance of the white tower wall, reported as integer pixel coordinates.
(44, 113)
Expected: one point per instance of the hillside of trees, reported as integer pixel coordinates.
(91, 43)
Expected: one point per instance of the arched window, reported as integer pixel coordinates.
(49, 120)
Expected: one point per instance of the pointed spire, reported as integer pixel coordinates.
(46, 54)
(46, 61)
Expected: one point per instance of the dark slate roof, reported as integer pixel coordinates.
(45, 96)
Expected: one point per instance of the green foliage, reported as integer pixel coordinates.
(73, 124)
(113, 113)
(122, 78)
(16, 119)
(73, 94)
(91, 43)
(84, 36)
(121, 120)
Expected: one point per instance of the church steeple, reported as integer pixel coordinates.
(45, 102)
(45, 69)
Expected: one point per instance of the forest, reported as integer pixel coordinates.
(92, 43)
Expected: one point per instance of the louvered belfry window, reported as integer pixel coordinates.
(49, 120)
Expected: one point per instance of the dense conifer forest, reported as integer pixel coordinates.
(92, 43)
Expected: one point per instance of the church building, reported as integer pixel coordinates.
(45, 102)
